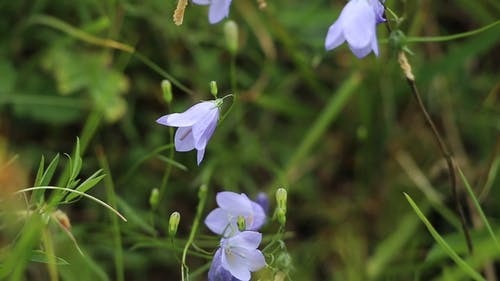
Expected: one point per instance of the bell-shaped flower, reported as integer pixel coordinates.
(195, 126)
(234, 207)
(218, 10)
(237, 257)
(357, 25)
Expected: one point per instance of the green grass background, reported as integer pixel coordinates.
(344, 136)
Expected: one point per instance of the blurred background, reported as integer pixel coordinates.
(344, 136)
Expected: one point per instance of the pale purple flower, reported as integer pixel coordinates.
(195, 126)
(218, 10)
(238, 255)
(223, 220)
(357, 25)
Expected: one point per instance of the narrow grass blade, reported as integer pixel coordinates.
(439, 239)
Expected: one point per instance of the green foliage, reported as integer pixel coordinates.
(343, 136)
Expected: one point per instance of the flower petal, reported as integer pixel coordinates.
(258, 217)
(335, 36)
(199, 156)
(246, 239)
(361, 52)
(204, 128)
(234, 203)
(217, 272)
(201, 2)
(254, 260)
(358, 22)
(188, 117)
(235, 265)
(183, 139)
(219, 9)
(217, 221)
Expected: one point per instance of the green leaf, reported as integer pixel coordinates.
(40, 256)
(86, 185)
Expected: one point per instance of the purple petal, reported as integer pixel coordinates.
(375, 45)
(235, 265)
(254, 260)
(335, 36)
(219, 9)
(234, 203)
(217, 221)
(188, 117)
(263, 200)
(183, 139)
(378, 8)
(258, 217)
(361, 52)
(358, 22)
(245, 239)
(217, 272)
(199, 156)
(204, 128)
(201, 2)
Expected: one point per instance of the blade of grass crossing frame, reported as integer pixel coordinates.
(443, 244)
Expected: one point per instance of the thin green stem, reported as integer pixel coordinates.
(202, 197)
(451, 37)
(110, 192)
(410, 78)
(51, 257)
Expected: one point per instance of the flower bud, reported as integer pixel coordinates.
(281, 215)
(154, 198)
(231, 34)
(242, 225)
(166, 88)
(281, 196)
(173, 223)
(213, 88)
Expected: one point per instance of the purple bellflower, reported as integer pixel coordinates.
(223, 220)
(237, 257)
(357, 25)
(195, 126)
(219, 9)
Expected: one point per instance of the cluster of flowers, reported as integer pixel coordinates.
(237, 220)
(356, 24)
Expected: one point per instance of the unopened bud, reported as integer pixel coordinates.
(154, 198)
(242, 224)
(213, 88)
(173, 223)
(231, 34)
(281, 215)
(166, 88)
(281, 196)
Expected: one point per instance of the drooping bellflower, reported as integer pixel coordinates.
(195, 126)
(237, 257)
(218, 10)
(357, 25)
(223, 220)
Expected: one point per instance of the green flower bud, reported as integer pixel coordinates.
(231, 34)
(173, 223)
(166, 87)
(281, 215)
(213, 88)
(242, 224)
(154, 198)
(281, 196)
